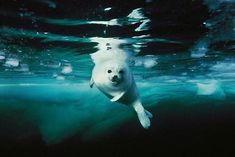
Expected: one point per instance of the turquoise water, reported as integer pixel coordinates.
(45, 68)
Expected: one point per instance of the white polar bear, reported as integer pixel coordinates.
(112, 76)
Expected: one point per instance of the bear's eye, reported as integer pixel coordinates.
(121, 71)
(109, 71)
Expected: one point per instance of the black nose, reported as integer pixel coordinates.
(115, 77)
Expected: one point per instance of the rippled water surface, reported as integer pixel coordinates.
(182, 58)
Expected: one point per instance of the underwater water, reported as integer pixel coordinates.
(182, 59)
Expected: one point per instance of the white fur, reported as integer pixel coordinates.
(124, 90)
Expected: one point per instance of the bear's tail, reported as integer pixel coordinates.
(143, 115)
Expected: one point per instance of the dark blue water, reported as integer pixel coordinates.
(182, 58)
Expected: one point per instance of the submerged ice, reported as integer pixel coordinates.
(211, 87)
(12, 62)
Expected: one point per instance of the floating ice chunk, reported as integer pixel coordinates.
(142, 36)
(50, 63)
(2, 57)
(224, 69)
(54, 75)
(139, 45)
(107, 9)
(143, 26)
(224, 66)
(206, 89)
(12, 62)
(2, 52)
(210, 88)
(199, 52)
(24, 67)
(60, 78)
(136, 47)
(208, 24)
(138, 62)
(137, 14)
(67, 69)
(113, 22)
(147, 61)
